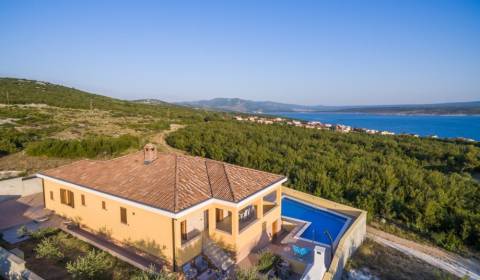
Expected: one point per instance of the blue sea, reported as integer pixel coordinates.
(423, 125)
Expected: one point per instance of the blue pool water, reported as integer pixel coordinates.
(321, 220)
(442, 126)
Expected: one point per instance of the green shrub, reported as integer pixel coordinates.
(249, 274)
(44, 232)
(48, 248)
(267, 260)
(94, 265)
(23, 231)
(69, 243)
(91, 147)
(420, 184)
(151, 274)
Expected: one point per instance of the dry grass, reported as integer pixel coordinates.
(28, 164)
(75, 124)
(390, 264)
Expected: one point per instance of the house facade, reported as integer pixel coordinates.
(169, 205)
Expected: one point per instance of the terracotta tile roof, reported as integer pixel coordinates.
(171, 182)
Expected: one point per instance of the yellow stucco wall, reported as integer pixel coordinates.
(242, 242)
(145, 230)
(152, 232)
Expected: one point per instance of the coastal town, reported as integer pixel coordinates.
(328, 126)
(313, 125)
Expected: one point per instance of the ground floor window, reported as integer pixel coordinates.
(67, 198)
(123, 215)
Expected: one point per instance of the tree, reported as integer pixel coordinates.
(94, 265)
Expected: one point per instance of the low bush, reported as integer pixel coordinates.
(48, 248)
(151, 274)
(94, 265)
(22, 231)
(249, 274)
(90, 147)
(267, 260)
(44, 232)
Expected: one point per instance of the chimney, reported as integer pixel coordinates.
(149, 153)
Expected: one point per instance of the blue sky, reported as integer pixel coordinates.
(305, 52)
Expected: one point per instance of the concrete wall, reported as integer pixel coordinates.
(19, 187)
(351, 239)
(13, 267)
(144, 230)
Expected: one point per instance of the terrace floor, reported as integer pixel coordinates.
(131, 256)
(282, 246)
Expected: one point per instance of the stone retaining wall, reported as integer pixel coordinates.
(13, 267)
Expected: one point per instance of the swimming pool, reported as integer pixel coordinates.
(319, 221)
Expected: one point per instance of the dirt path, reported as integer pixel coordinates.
(447, 261)
(159, 139)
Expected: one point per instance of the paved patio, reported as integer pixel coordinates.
(282, 246)
(22, 210)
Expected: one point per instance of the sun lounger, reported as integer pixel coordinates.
(300, 252)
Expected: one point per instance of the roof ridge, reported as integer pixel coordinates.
(228, 181)
(244, 167)
(208, 177)
(175, 195)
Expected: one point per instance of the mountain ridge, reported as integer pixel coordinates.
(250, 106)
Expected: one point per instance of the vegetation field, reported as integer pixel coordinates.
(53, 254)
(385, 263)
(422, 185)
(43, 125)
(419, 186)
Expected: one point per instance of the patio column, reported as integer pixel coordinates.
(212, 222)
(235, 222)
(279, 195)
(259, 204)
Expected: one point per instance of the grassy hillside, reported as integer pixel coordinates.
(57, 121)
(21, 91)
(422, 185)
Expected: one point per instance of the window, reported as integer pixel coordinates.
(83, 199)
(183, 229)
(51, 195)
(67, 198)
(123, 215)
(104, 205)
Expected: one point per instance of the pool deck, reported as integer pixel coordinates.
(349, 239)
(283, 245)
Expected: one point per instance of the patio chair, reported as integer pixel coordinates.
(300, 252)
(200, 263)
(189, 271)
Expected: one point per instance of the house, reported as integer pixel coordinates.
(170, 206)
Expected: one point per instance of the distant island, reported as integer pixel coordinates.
(249, 106)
